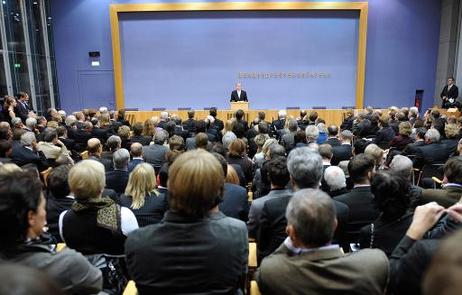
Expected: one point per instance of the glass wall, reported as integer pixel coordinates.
(28, 59)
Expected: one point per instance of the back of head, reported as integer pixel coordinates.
(191, 114)
(213, 112)
(335, 178)
(375, 152)
(227, 139)
(195, 183)
(311, 214)
(49, 135)
(312, 133)
(405, 128)
(28, 138)
(391, 194)
(332, 130)
(275, 150)
(360, 145)
(136, 149)
(21, 193)
(176, 143)
(160, 137)
(401, 166)
(293, 125)
(237, 148)
(239, 114)
(57, 181)
(313, 116)
(5, 148)
(325, 150)
(93, 145)
(201, 140)
(420, 132)
(201, 126)
(263, 127)
(138, 128)
(432, 135)
(453, 170)
(140, 183)
(121, 158)
(360, 168)
(305, 167)
(87, 179)
(277, 172)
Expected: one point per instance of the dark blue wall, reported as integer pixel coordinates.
(402, 46)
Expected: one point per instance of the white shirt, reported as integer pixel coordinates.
(127, 219)
(288, 243)
(239, 93)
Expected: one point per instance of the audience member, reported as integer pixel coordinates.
(214, 248)
(307, 260)
(136, 152)
(117, 179)
(154, 154)
(335, 181)
(343, 151)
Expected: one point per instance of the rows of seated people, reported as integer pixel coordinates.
(172, 205)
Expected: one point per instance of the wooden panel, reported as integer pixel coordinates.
(333, 116)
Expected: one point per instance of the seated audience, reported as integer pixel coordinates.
(307, 260)
(279, 177)
(451, 192)
(375, 153)
(402, 166)
(26, 152)
(136, 152)
(214, 248)
(138, 135)
(433, 152)
(124, 133)
(22, 219)
(176, 143)
(235, 201)
(117, 179)
(142, 198)
(385, 134)
(154, 154)
(113, 143)
(335, 181)
(305, 169)
(51, 146)
(343, 151)
(332, 132)
(237, 155)
(391, 198)
(403, 138)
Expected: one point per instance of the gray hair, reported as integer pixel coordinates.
(312, 214)
(335, 178)
(305, 167)
(136, 149)
(16, 121)
(164, 115)
(282, 114)
(312, 133)
(70, 120)
(414, 110)
(293, 125)
(228, 138)
(433, 135)
(49, 134)
(121, 158)
(276, 150)
(160, 137)
(103, 110)
(31, 122)
(113, 142)
(402, 166)
(28, 138)
(322, 127)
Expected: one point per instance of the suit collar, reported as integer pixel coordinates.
(318, 254)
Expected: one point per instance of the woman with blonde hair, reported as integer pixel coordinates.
(403, 138)
(142, 197)
(9, 104)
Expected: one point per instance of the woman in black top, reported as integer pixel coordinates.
(391, 198)
(141, 196)
(8, 108)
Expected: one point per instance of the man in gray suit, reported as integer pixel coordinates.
(307, 262)
(154, 154)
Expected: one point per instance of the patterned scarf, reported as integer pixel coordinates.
(108, 212)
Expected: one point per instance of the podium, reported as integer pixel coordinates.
(239, 105)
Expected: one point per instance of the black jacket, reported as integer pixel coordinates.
(117, 180)
(235, 97)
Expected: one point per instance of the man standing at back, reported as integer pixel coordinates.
(307, 262)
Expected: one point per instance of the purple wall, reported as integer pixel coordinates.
(402, 49)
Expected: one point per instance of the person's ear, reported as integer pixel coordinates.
(31, 218)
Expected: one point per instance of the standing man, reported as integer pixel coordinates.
(449, 95)
(23, 109)
(238, 94)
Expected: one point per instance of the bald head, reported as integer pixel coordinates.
(136, 149)
(94, 146)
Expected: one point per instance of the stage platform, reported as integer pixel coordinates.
(331, 116)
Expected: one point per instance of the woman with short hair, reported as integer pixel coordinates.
(142, 197)
(403, 138)
(237, 154)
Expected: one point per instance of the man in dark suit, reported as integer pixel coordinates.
(449, 95)
(95, 149)
(305, 169)
(332, 132)
(118, 178)
(238, 94)
(234, 203)
(23, 108)
(451, 193)
(433, 152)
(343, 151)
(136, 151)
(308, 263)
(190, 124)
(411, 149)
(138, 135)
(360, 198)
(26, 153)
(154, 154)
(81, 136)
(217, 124)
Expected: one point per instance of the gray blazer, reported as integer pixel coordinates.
(323, 272)
(155, 154)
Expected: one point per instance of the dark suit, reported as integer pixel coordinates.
(384, 136)
(236, 97)
(144, 140)
(117, 180)
(55, 206)
(22, 110)
(235, 203)
(152, 210)
(451, 93)
(133, 163)
(433, 153)
(101, 134)
(359, 200)
(154, 154)
(408, 263)
(22, 156)
(190, 126)
(108, 166)
(273, 222)
(81, 138)
(333, 141)
(341, 153)
(327, 271)
(188, 255)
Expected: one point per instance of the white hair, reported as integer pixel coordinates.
(164, 115)
(70, 120)
(121, 158)
(228, 138)
(31, 122)
(312, 133)
(62, 112)
(28, 138)
(402, 166)
(282, 113)
(103, 109)
(335, 178)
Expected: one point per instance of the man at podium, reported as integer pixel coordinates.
(238, 94)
